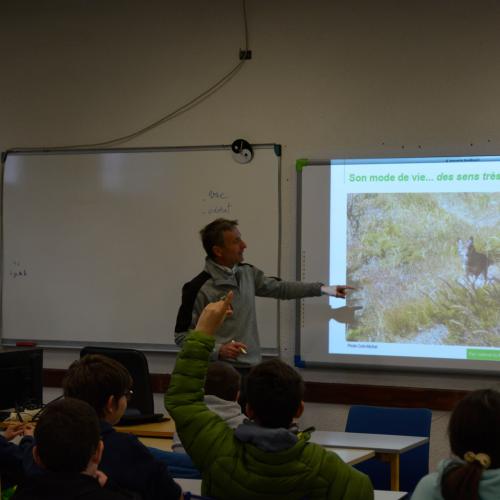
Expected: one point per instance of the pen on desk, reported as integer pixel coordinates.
(19, 416)
(242, 350)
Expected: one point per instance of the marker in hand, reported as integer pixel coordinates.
(339, 291)
(242, 349)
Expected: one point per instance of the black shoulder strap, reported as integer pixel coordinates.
(189, 292)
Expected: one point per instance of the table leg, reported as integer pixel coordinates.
(393, 460)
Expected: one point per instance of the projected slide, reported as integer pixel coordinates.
(420, 240)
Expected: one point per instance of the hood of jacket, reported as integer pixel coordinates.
(489, 485)
(265, 438)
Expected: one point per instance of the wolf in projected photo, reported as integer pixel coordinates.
(426, 267)
(475, 264)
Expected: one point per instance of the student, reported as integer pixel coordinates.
(106, 384)
(222, 389)
(68, 449)
(261, 459)
(11, 455)
(474, 472)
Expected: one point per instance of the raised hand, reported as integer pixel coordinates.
(214, 314)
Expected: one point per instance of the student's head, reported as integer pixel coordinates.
(275, 393)
(474, 428)
(222, 381)
(102, 382)
(67, 437)
(222, 242)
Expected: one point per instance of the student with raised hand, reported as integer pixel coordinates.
(262, 459)
(106, 384)
(474, 471)
(68, 449)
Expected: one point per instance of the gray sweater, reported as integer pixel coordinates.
(246, 282)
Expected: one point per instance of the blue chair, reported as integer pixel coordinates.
(414, 464)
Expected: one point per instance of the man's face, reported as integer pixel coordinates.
(232, 251)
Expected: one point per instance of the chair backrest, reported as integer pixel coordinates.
(142, 401)
(414, 464)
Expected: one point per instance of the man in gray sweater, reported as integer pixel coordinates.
(237, 340)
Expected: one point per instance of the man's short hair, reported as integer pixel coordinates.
(222, 381)
(274, 391)
(213, 234)
(94, 378)
(67, 435)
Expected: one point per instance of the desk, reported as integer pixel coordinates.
(349, 456)
(194, 486)
(353, 456)
(386, 447)
(154, 442)
(163, 429)
(388, 495)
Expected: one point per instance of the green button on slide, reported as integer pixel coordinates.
(484, 354)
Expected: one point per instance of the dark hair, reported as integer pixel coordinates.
(67, 435)
(222, 381)
(274, 391)
(474, 426)
(213, 234)
(94, 378)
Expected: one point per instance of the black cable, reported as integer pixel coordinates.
(177, 112)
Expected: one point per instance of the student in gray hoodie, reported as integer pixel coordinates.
(222, 389)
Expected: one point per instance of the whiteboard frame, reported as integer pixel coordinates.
(146, 347)
(350, 361)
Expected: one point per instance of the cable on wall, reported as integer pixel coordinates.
(245, 54)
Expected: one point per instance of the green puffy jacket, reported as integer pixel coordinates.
(235, 470)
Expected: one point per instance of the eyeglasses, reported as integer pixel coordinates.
(128, 394)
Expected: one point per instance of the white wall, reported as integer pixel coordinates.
(327, 78)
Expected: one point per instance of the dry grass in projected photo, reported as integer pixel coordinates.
(427, 267)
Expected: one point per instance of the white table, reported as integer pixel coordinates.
(353, 456)
(194, 486)
(347, 455)
(386, 447)
(389, 495)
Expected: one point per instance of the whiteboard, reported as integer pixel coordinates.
(97, 244)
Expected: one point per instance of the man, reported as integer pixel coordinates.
(237, 341)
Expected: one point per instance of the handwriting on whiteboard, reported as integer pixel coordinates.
(17, 270)
(216, 202)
